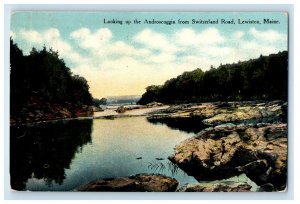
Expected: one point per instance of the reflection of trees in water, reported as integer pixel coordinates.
(189, 124)
(45, 150)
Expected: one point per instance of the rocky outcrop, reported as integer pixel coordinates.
(137, 183)
(259, 151)
(217, 187)
(154, 104)
(38, 110)
(249, 112)
(121, 109)
(213, 114)
(97, 109)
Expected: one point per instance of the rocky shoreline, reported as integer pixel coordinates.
(239, 138)
(213, 114)
(259, 151)
(37, 111)
(242, 138)
(136, 183)
(159, 183)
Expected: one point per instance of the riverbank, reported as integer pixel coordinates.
(111, 112)
(160, 183)
(240, 138)
(37, 110)
(231, 139)
(212, 114)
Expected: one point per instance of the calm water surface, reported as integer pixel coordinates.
(64, 155)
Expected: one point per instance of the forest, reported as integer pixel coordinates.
(41, 81)
(264, 78)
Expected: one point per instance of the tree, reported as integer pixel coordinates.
(42, 77)
(103, 101)
(263, 78)
(151, 94)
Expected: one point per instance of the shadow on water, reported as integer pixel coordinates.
(189, 124)
(45, 150)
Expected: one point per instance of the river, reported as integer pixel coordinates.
(63, 155)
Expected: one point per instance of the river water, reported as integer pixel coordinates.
(64, 155)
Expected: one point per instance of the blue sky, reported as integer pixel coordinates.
(124, 59)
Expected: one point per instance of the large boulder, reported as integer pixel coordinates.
(137, 183)
(259, 151)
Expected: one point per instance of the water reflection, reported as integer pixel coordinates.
(45, 150)
(61, 157)
(188, 124)
(161, 167)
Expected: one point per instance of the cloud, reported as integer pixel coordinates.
(238, 34)
(155, 40)
(101, 44)
(190, 37)
(252, 43)
(52, 39)
(269, 35)
(12, 34)
(92, 41)
(31, 36)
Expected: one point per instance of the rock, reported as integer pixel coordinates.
(251, 113)
(97, 109)
(268, 187)
(217, 113)
(137, 183)
(154, 104)
(38, 109)
(218, 187)
(121, 109)
(227, 150)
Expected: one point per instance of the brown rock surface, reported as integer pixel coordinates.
(218, 187)
(137, 183)
(259, 151)
(227, 112)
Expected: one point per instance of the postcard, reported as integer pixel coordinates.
(148, 101)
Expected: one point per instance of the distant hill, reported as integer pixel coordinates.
(126, 99)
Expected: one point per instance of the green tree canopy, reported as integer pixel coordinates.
(263, 78)
(43, 76)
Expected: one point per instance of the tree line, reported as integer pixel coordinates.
(42, 76)
(264, 78)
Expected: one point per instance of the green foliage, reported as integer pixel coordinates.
(264, 78)
(152, 94)
(97, 102)
(43, 76)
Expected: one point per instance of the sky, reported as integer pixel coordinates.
(124, 58)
